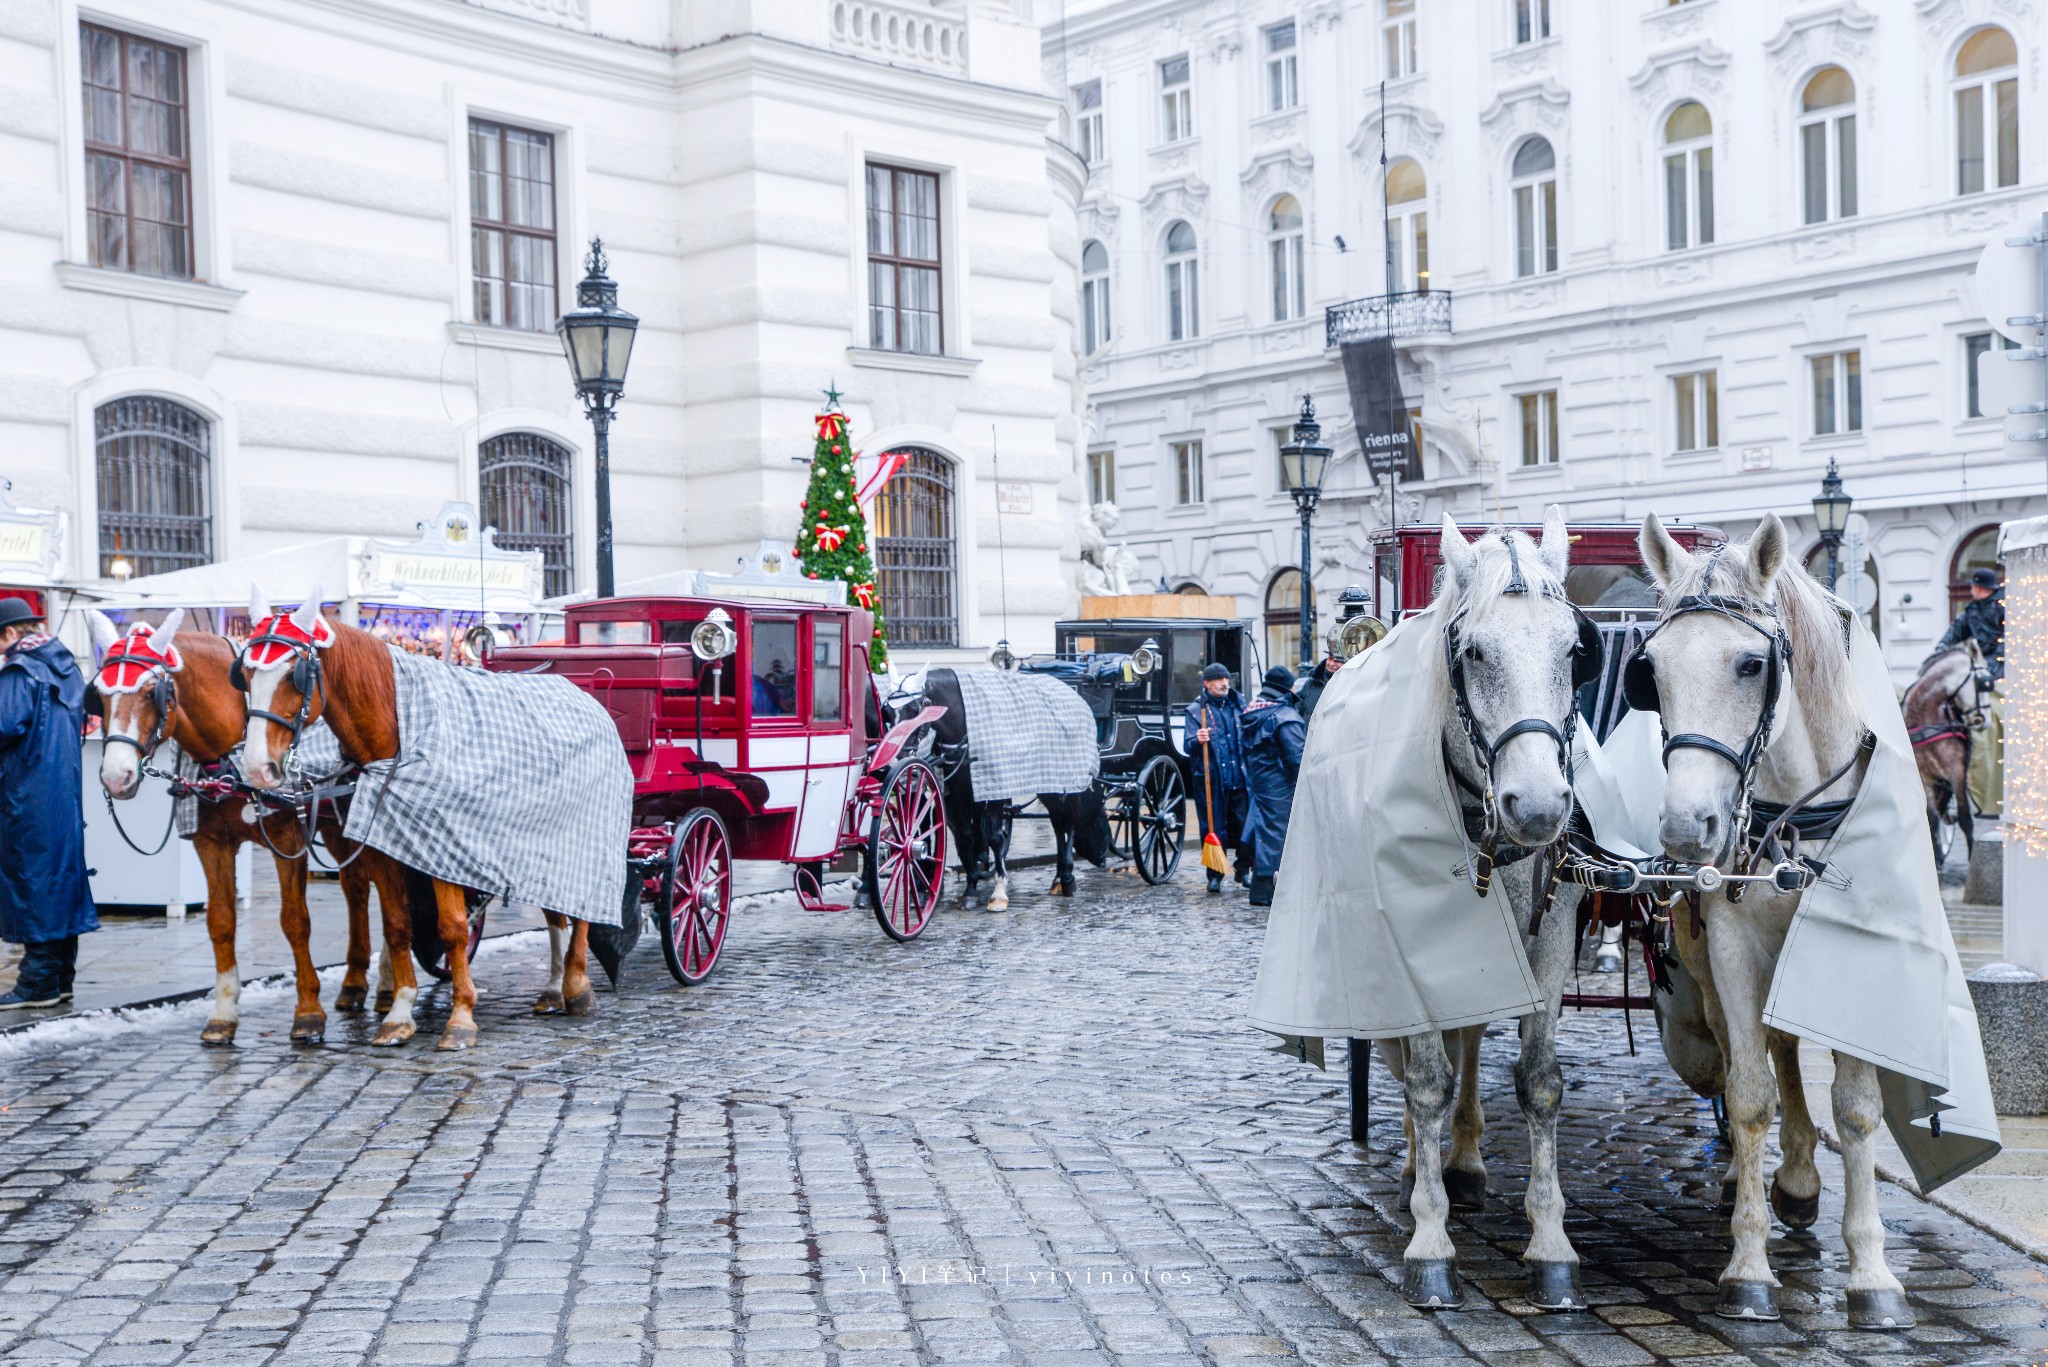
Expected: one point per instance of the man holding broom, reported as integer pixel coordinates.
(1216, 743)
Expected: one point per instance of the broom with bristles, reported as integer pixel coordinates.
(1212, 847)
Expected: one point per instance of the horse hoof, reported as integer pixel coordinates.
(1062, 889)
(1466, 1190)
(1555, 1286)
(309, 1029)
(1798, 1212)
(998, 904)
(384, 1000)
(549, 1004)
(218, 1032)
(1747, 1301)
(390, 1036)
(1407, 1188)
(1879, 1310)
(458, 1037)
(578, 1005)
(351, 999)
(1431, 1284)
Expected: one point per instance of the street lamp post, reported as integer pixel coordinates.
(1305, 461)
(1831, 514)
(597, 337)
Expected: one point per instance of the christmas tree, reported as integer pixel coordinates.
(832, 539)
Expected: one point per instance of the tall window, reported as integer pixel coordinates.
(1183, 312)
(1397, 38)
(1283, 618)
(1987, 100)
(1837, 393)
(915, 552)
(1696, 399)
(1535, 196)
(1102, 476)
(1979, 550)
(1088, 122)
(1284, 253)
(1539, 427)
(1094, 298)
(1283, 74)
(512, 225)
(1827, 145)
(138, 154)
(1688, 177)
(1975, 345)
(1176, 100)
(1187, 472)
(1408, 217)
(1532, 20)
(523, 484)
(903, 261)
(155, 477)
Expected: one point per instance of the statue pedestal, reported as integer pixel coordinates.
(1159, 605)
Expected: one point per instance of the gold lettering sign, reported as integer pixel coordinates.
(451, 572)
(21, 543)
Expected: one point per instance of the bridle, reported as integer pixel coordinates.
(308, 677)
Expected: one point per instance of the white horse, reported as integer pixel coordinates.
(1741, 623)
(1512, 637)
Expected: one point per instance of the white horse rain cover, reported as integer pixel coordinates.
(1026, 734)
(514, 784)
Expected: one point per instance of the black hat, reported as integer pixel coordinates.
(1280, 677)
(14, 611)
(1984, 577)
(1215, 671)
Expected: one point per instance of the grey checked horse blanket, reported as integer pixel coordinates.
(513, 784)
(318, 758)
(1026, 734)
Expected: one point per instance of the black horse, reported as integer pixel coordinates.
(981, 830)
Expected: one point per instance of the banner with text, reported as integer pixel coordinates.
(1379, 411)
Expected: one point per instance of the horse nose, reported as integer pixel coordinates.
(1535, 814)
(264, 775)
(1694, 836)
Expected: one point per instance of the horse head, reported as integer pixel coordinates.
(1513, 647)
(280, 671)
(135, 682)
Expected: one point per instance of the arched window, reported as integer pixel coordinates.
(1535, 195)
(1094, 298)
(915, 552)
(1827, 145)
(1192, 588)
(1283, 249)
(1688, 177)
(1183, 305)
(1283, 619)
(1408, 215)
(1987, 101)
(154, 460)
(1978, 551)
(523, 486)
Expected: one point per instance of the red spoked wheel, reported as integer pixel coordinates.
(696, 897)
(906, 863)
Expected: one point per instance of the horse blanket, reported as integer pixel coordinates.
(513, 784)
(1026, 734)
(318, 758)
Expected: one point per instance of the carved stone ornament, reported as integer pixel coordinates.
(1698, 70)
(1837, 33)
(1225, 42)
(1523, 61)
(1178, 157)
(566, 12)
(1411, 132)
(1286, 168)
(1532, 294)
(1979, 218)
(1536, 106)
(1677, 21)
(1176, 360)
(1685, 270)
(1275, 129)
(1099, 215)
(1325, 14)
(1823, 246)
(1946, 18)
(1283, 339)
(1182, 197)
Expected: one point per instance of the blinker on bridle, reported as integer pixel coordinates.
(307, 678)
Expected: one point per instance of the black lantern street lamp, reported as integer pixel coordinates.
(597, 337)
(1304, 461)
(1831, 514)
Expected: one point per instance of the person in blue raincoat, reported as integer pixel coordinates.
(1215, 740)
(1273, 736)
(45, 902)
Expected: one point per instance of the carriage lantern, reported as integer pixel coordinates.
(1831, 514)
(1305, 461)
(1145, 658)
(1002, 657)
(597, 337)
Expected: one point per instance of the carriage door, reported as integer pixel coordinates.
(833, 763)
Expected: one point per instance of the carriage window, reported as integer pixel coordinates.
(589, 633)
(828, 669)
(774, 664)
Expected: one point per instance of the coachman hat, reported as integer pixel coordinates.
(14, 611)
(1280, 677)
(1984, 577)
(1215, 671)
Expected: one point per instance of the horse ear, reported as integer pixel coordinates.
(160, 639)
(1664, 557)
(1766, 554)
(1557, 542)
(1459, 557)
(104, 632)
(307, 614)
(259, 604)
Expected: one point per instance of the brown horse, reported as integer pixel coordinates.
(302, 668)
(1937, 718)
(159, 686)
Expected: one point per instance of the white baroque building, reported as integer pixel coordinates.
(277, 271)
(1680, 257)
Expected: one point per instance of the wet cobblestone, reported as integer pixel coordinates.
(1035, 1137)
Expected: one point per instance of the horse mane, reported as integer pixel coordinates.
(357, 667)
(1810, 615)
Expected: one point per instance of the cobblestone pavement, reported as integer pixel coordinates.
(1035, 1137)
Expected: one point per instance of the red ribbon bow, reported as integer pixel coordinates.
(831, 425)
(831, 538)
(866, 594)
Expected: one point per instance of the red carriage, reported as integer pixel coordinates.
(753, 733)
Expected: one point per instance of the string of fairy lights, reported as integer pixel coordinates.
(2026, 697)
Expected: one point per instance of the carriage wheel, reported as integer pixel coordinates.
(1944, 831)
(696, 897)
(435, 960)
(906, 863)
(1161, 812)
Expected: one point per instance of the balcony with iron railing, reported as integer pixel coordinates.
(1411, 313)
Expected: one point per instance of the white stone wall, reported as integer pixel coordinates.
(1619, 317)
(716, 145)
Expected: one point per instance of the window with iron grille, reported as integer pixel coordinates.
(138, 154)
(523, 484)
(512, 226)
(915, 554)
(904, 275)
(155, 475)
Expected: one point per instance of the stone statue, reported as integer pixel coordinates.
(1105, 570)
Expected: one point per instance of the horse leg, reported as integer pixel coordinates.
(550, 1003)
(1741, 968)
(451, 906)
(217, 858)
(1549, 1258)
(1795, 1186)
(1394, 1053)
(1429, 1277)
(1465, 1169)
(386, 983)
(999, 852)
(355, 982)
(1063, 845)
(398, 988)
(295, 918)
(577, 998)
(1876, 1300)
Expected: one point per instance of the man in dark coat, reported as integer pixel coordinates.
(1311, 690)
(1273, 736)
(45, 903)
(1215, 741)
(1983, 620)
